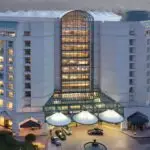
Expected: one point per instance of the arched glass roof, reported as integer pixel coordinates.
(98, 15)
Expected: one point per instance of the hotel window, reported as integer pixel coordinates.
(132, 57)
(132, 49)
(131, 97)
(1, 76)
(28, 85)
(10, 86)
(10, 60)
(10, 52)
(148, 73)
(27, 43)
(148, 49)
(131, 32)
(10, 105)
(1, 51)
(10, 77)
(27, 93)
(27, 51)
(148, 65)
(148, 89)
(132, 81)
(28, 60)
(10, 94)
(1, 67)
(131, 90)
(10, 68)
(132, 74)
(1, 103)
(27, 68)
(1, 83)
(10, 43)
(148, 41)
(148, 57)
(132, 42)
(2, 120)
(1, 59)
(1, 92)
(27, 77)
(148, 81)
(132, 65)
(27, 33)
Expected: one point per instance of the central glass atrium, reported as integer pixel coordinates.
(77, 72)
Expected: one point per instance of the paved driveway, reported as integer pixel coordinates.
(113, 139)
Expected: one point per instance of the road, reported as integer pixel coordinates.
(113, 139)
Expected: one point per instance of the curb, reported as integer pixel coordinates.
(136, 136)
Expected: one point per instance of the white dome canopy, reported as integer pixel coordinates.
(111, 116)
(85, 117)
(58, 119)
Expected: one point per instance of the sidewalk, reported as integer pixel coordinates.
(139, 134)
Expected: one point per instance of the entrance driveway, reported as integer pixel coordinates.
(113, 139)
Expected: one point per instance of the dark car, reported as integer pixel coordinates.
(60, 134)
(95, 131)
(55, 140)
(67, 130)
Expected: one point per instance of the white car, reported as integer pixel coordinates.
(67, 130)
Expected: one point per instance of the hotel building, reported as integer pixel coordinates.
(71, 61)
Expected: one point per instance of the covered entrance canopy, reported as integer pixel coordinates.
(58, 119)
(85, 117)
(138, 119)
(111, 116)
(30, 123)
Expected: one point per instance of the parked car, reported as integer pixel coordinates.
(55, 140)
(67, 130)
(60, 134)
(95, 131)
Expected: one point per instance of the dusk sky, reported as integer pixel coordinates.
(73, 4)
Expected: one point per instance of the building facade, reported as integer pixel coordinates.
(70, 61)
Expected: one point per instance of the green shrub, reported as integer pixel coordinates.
(30, 138)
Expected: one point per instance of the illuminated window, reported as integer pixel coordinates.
(10, 123)
(1, 59)
(10, 105)
(10, 68)
(10, 86)
(1, 92)
(1, 103)
(10, 52)
(2, 120)
(10, 77)
(10, 94)
(1, 83)
(1, 67)
(10, 60)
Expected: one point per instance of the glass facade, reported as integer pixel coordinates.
(77, 71)
(76, 51)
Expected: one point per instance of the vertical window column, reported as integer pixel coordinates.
(132, 66)
(10, 75)
(27, 73)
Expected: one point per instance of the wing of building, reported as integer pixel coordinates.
(72, 60)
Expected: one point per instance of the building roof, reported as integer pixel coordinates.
(98, 16)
